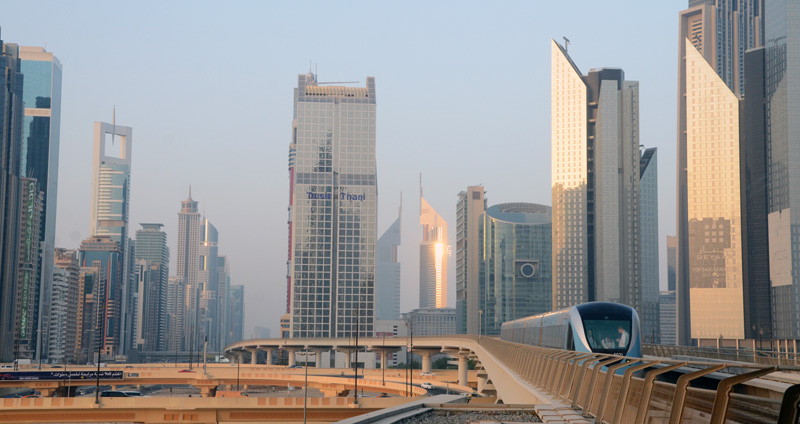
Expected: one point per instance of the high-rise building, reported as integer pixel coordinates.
(188, 267)
(387, 277)
(432, 257)
(89, 329)
(431, 321)
(11, 118)
(595, 177)
(648, 225)
(177, 295)
(672, 262)
(666, 316)
(104, 255)
(237, 313)
(333, 209)
(146, 301)
(515, 265)
(28, 287)
(39, 155)
(151, 246)
(223, 299)
(111, 182)
(782, 122)
(471, 205)
(719, 32)
(208, 283)
(66, 263)
(57, 323)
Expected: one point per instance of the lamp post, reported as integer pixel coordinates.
(383, 361)
(305, 388)
(480, 332)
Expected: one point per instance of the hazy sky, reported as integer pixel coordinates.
(463, 92)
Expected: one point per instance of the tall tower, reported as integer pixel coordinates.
(11, 118)
(333, 209)
(111, 183)
(432, 257)
(471, 204)
(648, 209)
(595, 176)
(104, 255)
(719, 31)
(208, 283)
(39, 155)
(187, 269)
(387, 277)
(151, 246)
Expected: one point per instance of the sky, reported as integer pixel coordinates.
(463, 98)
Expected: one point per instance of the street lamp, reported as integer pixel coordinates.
(305, 388)
(480, 333)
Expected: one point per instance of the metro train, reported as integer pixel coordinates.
(599, 327)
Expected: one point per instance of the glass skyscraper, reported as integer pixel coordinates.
(387, 278)
(595, 177)
(186, 314)
(432, 257)
(515, 268)
(648, 209)
(333, 209)
(469, 210)
(151, 246)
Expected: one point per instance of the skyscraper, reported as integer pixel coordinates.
(515, 263)
(387, 277)
(28, 288)
(237, 313)
(782, 113)
(432, 257)
(333, 209)
(208, 283)
(39, 153)
(719, 31)
(648, 219)
(111, 182)
(187, 269)
(672, 262)
(151, 246)
(223, 299)
(471, 204)
(63, 325)
(595, 177)
(11, 117)
(105, 256)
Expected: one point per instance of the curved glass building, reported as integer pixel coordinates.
(515, 268)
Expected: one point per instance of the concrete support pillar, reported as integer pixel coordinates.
(462, 370)
(426, 361)
(347, 359)
(318, 358)
(240, 358)
(269, 356)
(253, 356)
(292, 360)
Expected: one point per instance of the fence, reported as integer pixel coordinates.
(616, 389)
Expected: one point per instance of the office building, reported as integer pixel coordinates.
(11, 118)
(111, 179)
(781, 101)
(39, 155)
(89, 322)
(208, 283)
(719, 33)
(333, 209)
(387, 277)
(188, 267)
(515, 265)
(471, 205)
(237, 314)
(177, 297)
(595, 177)
(223, 298)
(67, 321)
(433, 251)
(105, 256)
(28, 287)
(672, 262)
(145, 302)
(648, 225)
(431, 321)
(667, 319)
(151, 246)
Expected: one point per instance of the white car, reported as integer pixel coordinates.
(424, 373)
(427, 386)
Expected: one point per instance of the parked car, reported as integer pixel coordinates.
(382, 395)
(427, 386)
(132, 393)
(424, 373)
(185, 371)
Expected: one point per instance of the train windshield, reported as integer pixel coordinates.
(608, 334)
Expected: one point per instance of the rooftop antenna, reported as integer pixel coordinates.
(566, 44)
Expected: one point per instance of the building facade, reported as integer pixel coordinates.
(667, 318)
(333, 209)
(151, 246)
(648, 219)
(515, 263)
(188, 267)
(104, 256)
(431, 321)
(66, 264)
(595, 177)
(237, 313)
(469, 209)
(208, 283)
(29, 293)
(387, 277)
(432, 257)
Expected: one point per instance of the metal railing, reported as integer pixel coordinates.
(761, 357)
(616, 389)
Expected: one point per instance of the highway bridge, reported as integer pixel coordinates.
(569, 386)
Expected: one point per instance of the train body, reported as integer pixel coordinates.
(599, 327)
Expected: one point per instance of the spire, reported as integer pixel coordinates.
(190, 193)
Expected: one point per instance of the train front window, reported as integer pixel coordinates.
(608, 334)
